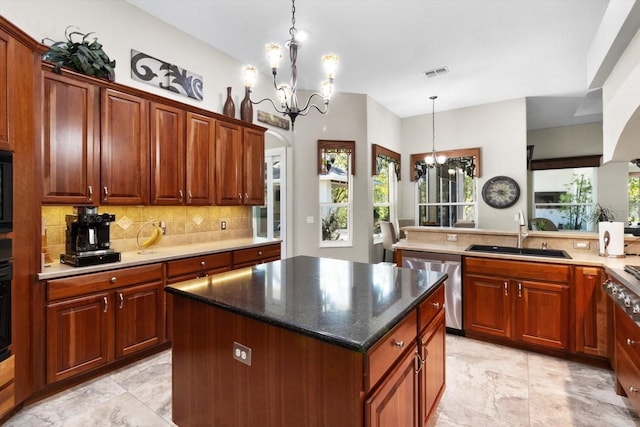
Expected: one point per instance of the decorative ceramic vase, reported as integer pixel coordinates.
(229, 108)
(246, 107)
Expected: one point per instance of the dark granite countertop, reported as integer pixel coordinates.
(345, 303)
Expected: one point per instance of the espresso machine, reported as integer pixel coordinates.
(87, 238)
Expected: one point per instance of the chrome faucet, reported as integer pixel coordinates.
(523, 228)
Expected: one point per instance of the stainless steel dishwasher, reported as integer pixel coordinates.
(447, 263)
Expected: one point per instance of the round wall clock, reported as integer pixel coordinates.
(500, 192)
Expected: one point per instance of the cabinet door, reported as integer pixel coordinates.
(124, 149)
(4, 91)
(487, 305)
(200, 159)
(70, 152)
(592, 312)
(167, 155)
(229, 169)
(395, 402)
(253, 179)
(432, 374)
(79, 335)
(140, 321)
(542, 313)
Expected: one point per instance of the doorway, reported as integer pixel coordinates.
(269, 220)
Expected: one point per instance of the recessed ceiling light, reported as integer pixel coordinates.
(437, 72)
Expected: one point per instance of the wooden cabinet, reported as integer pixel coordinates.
(167, 155)
(124, 149)
(409, 394)
(627, 356)
(4, 91)
(95, 318)
(7, 385)
(70, 150)
(592, 311)
(257, 255)
(240, 165)
(523, 302)
(182, 159)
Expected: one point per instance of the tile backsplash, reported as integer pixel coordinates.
(185, 224)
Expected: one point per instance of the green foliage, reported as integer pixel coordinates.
(330, 227)
(576, 212)
(83, 56)
(634, 199)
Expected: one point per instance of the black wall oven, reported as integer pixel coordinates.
(6, 276)
(6, 191)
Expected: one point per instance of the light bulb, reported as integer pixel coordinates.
(250, 76)
(440, 158)
(284, 94)
(274, 55)
(326, 90)
(429, 160)
(330, 65)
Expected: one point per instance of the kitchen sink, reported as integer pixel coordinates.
(510, 250)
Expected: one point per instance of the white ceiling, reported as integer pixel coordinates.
(495, 49)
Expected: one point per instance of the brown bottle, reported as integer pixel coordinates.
(229, 108)
(246, 107)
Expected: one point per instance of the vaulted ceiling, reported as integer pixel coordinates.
(494, 50)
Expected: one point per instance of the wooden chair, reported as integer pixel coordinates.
(388, 239)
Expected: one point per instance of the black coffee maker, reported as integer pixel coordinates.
(88, 241)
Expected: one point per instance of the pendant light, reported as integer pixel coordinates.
(434, 158)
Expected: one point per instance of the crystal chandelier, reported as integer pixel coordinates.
(287, 98)
(434, 158)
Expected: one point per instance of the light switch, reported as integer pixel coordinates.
(310, 220)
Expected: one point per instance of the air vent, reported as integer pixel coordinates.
(437, 72)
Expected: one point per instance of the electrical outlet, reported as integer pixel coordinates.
(452, 237)
(242, 353)
(581, 244)
(223, 225)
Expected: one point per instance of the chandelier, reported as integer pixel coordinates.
(434, 158)
(287, 98)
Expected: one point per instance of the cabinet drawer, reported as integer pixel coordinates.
(97, 282)
(259, 253)
(197, 264)
(627, 334)
(517, 269)
(7, 400)
(7, 371)
(628, 375)
(430, 307)
(385, 353)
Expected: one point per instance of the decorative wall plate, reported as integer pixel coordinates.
(500, 192)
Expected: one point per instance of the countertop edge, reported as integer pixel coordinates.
(364, 347)
(169, 253)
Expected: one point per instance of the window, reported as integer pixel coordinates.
(565, 197)
(446, 194)
(634, 198)
(336, 160)
(385, 168)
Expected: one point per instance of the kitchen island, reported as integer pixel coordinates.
(308, 342)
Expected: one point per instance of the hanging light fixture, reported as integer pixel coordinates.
(434, 158)
(287, 98)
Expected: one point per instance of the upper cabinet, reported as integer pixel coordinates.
(240, 165)
(124, 148)
(107, 144)
(4, 94)
(70, 143)
(182, 157)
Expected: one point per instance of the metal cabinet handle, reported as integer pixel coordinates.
(420, 362)
(506, 288)
(631, 342)
(189, 195)
(180, 195)
(246, 196)
(633, 389)
(398, 344)
(259, 252)
(113, 279)
(121, 300)
(90, 191)
(435, 305)
(240, 196)
(202, 263)
(106, 193)
(106, 304)
(519, 289)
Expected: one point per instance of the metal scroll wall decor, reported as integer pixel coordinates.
(164, 75)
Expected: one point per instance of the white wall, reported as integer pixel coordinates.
(566, 141)
(499, 129)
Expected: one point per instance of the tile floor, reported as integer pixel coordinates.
(487, 385)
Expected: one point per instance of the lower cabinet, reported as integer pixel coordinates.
(410, 392)
(593, 313)
(258, 255)
(627, 356)
(96, 318)
(524, 302)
